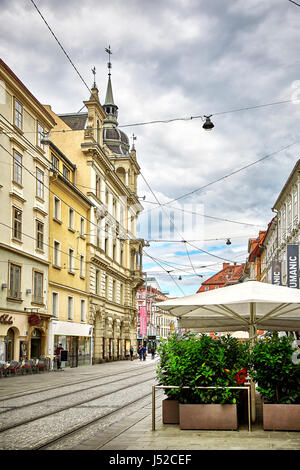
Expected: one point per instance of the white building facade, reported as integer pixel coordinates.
(24, 222)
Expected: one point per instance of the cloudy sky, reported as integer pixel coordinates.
(179, 59)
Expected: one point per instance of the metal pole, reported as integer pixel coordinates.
(249, 407)
(153, 408)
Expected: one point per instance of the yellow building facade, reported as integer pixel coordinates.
(68, 298)
(106, 172)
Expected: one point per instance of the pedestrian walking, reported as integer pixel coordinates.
(57, 352)
(144, 351)
(152, 352)
(131, 353)
(140, 352)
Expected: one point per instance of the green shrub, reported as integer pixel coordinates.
(272, 368)
(191, 360)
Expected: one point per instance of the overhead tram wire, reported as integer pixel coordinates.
(161, 121)
(199, 249)
(167, 214)
(204, 215)
(50, 191)
(173, 279)
(60, 45)
(228, 175)
(166, 121)
(63, 201)
(34, 176)
(103, 229)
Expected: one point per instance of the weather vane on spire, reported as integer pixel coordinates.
(133, 139)
(109, 62)
(94, 73)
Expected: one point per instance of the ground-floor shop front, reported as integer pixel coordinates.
(23, 336)
(76, 340)
(114, 334)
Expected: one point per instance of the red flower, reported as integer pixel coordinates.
(240, 376)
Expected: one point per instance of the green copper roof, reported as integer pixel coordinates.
(109, 99)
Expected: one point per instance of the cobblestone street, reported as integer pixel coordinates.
(109, 407)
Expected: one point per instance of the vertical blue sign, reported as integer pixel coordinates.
(293, 266)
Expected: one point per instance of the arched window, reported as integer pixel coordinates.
(121, 174)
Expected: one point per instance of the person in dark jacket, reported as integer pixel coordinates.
(57, 352)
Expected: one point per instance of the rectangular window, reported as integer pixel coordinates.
(121, 294)
(37, 287)
(82, 228)
(71, 219)
(17, 176)
(98, 186)
(55, 304)
(106, 286)
(106, 240)
(39, 235)
(55, 162)
(98, 241)
(66, 172)
(18, 120)
(17, 223)
(114, 293)
(56, 253)
(70, 308)
(97, 282)
(71, 260)
(122, 254)
(14, 291)
(82, 310)
(40, 183)
(56, 209)
(114, 208)
(40, 135)
(82, 269)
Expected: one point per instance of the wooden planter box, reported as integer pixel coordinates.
(170, 411)
(219, 417)
(277, 417)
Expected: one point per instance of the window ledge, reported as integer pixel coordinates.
(16, 240)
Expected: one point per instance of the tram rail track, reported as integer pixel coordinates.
(79, 428)
(26, 405)
(31, 392)
(81, 402)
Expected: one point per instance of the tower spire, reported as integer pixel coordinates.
(109, 105)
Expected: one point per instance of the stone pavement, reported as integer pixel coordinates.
(170, 437)
(135, 432)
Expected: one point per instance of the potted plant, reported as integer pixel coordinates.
(201, 361)
(168, 373)
(278, 381)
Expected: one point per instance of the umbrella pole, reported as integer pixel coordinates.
(253, 339)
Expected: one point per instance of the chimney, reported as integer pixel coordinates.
(225, 265)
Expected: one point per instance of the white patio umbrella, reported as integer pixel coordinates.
(246, 306)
